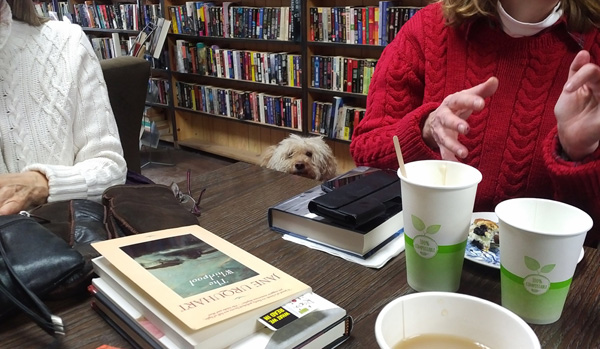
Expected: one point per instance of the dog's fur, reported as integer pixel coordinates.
(304, 156)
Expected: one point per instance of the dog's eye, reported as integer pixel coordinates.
(290, 155)
(309, 154)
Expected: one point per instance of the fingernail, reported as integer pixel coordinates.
(478, 104)
(461, 128)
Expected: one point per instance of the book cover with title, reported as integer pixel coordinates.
(196, 276)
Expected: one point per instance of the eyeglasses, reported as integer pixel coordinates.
(187, 200)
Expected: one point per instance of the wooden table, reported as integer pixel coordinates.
(235, 205)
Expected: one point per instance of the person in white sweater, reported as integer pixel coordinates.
(58, 136)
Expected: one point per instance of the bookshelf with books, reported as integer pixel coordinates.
(111, 26)
(236, 69)
(49, 8)
(159, 103)
(341, 53)
(243, 79)
(135, 28)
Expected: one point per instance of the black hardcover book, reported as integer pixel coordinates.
(329, 72)
(397, 22)
(266, 23)
(284, 69)
(344, 74)
(294, 217)
(255, 18)
(355, 76)
(361, 68)
(315, 21)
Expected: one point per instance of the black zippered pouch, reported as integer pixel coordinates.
(360, 201)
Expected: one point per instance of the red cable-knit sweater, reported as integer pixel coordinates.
(513, 140)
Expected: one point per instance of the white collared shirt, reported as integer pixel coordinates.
(518, 29)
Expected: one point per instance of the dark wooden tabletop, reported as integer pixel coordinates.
(235, 205)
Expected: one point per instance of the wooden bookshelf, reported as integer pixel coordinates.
(245, 140)
(105, 21)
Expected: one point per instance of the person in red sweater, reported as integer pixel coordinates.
(510, 87)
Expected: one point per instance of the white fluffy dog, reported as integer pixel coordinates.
(304, 156)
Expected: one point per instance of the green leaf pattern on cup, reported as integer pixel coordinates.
(420, 225)
(424, 245)
(537, 283)
(533, 265)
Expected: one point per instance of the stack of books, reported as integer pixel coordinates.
(188, 288)
(293, 217)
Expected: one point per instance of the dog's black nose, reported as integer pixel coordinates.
(299, 166)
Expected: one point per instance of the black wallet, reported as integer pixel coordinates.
(360, 201)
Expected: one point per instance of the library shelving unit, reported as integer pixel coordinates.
(238, 87)
(239, 131)
(106, 21)
(340, 47)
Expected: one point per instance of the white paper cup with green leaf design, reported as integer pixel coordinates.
(437, 201)
(540, 244)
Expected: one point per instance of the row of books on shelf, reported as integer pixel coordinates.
(254, 106)
(343, 74)
(276, 68)
(155, 120)
(335, 120)
(117, 45)
(230, 21)
(45, 9)
(365, 25)
(188, 288)
(111, 47)
(151, 40)
(162, 62)
(159, 91)
(118, 16)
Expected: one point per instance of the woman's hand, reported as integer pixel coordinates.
(20, 191)
(444, 124)
(577, 109)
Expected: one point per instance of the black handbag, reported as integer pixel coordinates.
(79, 223)
(33, 262)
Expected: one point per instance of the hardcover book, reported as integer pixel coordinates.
(311, 321)
(294, 218)
(196, 277)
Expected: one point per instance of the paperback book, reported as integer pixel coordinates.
(196, 280)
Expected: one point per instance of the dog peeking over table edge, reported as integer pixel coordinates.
(304, 156)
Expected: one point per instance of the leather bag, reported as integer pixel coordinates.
(79, 223)
(135, 209)
(33, 262)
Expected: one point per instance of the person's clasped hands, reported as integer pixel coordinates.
(577, 113)
(20, 191)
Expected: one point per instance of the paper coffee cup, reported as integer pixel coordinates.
(454, 315)
(540, 244)
(437, 203)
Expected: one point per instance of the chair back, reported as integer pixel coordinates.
(127, 82)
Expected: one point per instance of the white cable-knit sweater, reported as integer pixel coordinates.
(55, 115)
